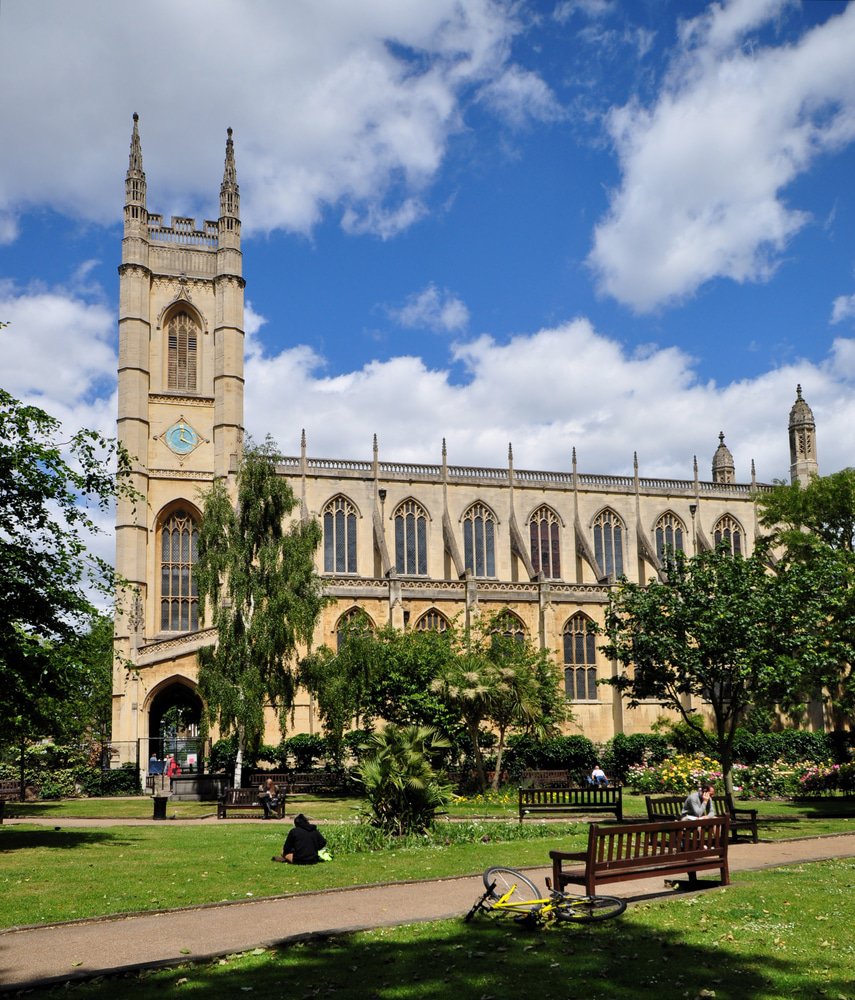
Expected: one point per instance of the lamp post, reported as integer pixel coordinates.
(693, 509)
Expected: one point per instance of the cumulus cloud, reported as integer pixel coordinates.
(843, 308)
(335, 105)
(547, 392)
(706, 167)
(433, 308)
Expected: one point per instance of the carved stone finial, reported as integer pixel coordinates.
(799, 391)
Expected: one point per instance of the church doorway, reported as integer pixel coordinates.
(173, 728)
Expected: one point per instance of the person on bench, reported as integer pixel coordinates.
(598, 778)
(268, 796)
(699, 804)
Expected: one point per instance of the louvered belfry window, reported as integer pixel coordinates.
(183, 338)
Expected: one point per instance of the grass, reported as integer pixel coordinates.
(777, 933)
(137, 868)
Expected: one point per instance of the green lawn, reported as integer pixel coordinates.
(774, 934)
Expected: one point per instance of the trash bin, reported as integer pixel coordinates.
(160, 806)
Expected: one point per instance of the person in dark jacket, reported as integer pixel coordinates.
(302, 844)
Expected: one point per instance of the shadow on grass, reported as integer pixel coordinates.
(15, 838)
(492, 958)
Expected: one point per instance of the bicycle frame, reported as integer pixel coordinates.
(542, 909)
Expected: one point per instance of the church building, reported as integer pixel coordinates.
(414, 545)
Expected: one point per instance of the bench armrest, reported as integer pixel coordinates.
(568, 855)
(748, 813)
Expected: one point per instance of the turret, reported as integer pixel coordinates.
(136, 216)
(723, 469)
(803, 460)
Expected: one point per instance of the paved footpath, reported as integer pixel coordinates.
(59, 952)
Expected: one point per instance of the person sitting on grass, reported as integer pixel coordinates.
(302, 844)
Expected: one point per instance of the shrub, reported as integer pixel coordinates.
(224, 754)
(403, 790)
(122, 780)
(304, 748)
(622, 751)
(680, 774)
(576, 754)
(791, 745)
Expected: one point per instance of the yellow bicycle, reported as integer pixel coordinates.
(509, 891)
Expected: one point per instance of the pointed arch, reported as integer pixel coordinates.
(580, 658)
(432, 621)
(411, 521)
(544, 526)
(509, 624)
(479, 540)
(177, 535)
(670, 534)
(339, 527)
(609, 530)
(355, 619)
(728, 530)
(183, 334)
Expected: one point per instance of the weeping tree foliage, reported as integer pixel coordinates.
(402, 787)
(496, 677)
(724, 630)
(257, 579)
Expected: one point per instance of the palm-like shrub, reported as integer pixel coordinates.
(402, 787)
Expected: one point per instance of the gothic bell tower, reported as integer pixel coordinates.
(180, 416)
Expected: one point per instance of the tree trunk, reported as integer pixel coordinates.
(239, 762)
(479, 759)
(500, 751)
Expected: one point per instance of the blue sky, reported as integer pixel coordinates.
(619, 226)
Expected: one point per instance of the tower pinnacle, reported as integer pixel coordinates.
(803, 460)
(229, 190)
(135, 206)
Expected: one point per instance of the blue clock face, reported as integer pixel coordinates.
(181, 438)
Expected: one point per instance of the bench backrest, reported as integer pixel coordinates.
(544, 779)
(672, 805)
(589, 795)
(241, 796)
(642, 844)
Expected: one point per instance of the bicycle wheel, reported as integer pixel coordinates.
(584, 909)
(505, 879)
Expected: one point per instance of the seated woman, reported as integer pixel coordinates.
(268, 796)
(302, 843)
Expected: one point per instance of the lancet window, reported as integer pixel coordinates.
(479, 540)
(432, 621)
(179, 593)
(411, 539)
(728, 530)
(182, 335)
(670, 536)
(580, 659)
(608, 542)
(339, 519)
(543, 532)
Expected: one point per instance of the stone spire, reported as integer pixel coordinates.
(723, 469)
(803, 460)
(230, 192)
(135, 207)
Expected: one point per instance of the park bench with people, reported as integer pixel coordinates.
(243, 802)
(645, 850)
(665, 807)
(558, 801)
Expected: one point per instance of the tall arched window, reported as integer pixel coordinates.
(510, 625)
(182, 335)
(608, 542)
(728, 530)
(353, 621)
(432, 621)
(670, 534)
(411, 539)
(179, 594)
(339, 536)
(580, 659)
(479, 540)
(543, 531)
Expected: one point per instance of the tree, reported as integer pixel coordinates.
(495, 677)
(816, 523)
(724, 630)
(402, 788)
(50, 494)
(258, 578)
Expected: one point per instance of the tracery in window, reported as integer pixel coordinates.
(608, 542)
(479, 540)
(339, 517)
(670, 535)
(179, 593)
(432, 621)
(729, 531)
(182, 335)
(353, 621)
(411, 539)
(510, 625)
(545, 554)
(580, 659)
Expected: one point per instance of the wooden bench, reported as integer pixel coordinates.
(301, 781)
(544, 779)
(642, 850)
(556, 801)
(663, 807)
(244, 802)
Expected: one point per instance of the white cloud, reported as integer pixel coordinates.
(704, 169)
(546, 393)
(334, 104)
(433, 309)
(843, 308)
(519, 96)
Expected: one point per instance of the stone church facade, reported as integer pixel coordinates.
(415, 545)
